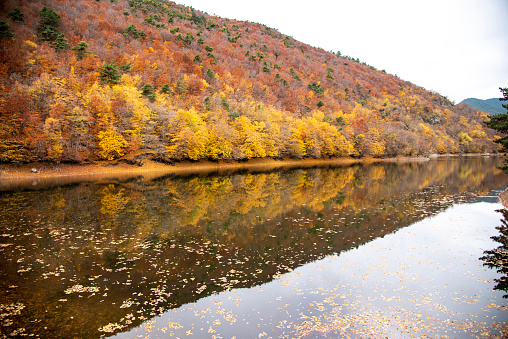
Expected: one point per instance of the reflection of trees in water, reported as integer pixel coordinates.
(152, 246)
(498, 257)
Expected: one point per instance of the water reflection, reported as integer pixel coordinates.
(498, 258)
(90, 259)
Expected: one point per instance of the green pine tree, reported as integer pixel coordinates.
(16, 15)
(148, 91)
(81, 50)
(48, 18)
(49, 21)
(165, 89)
(126, 68)
(210, 73)
(188, 38)
(109, 73)
(60, 43)
(132, 31)
(4, 30)
(499, 122)
(208, 104)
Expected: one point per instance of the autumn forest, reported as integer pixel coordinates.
(86, 80)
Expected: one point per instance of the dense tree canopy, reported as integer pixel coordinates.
(153, 78)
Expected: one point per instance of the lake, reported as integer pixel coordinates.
(392, 250)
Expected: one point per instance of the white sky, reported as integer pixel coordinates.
(458, 48)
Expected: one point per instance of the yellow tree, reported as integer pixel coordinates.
(375, 144)
(190, 136)
(272, 140)
(53, 133)
(221, 140)
(111, 144)
(251, 137)
(299, 135)
(141, 118)
(317, 138)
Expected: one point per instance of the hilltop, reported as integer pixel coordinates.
(101, 80)
(492, 106)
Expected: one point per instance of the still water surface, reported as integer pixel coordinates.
(360, 251)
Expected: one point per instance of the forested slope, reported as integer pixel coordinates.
(87, 80)
(491, 106)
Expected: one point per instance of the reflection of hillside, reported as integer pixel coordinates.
(140, 248)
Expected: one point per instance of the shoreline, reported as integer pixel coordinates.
(35, 175)
(44, 170)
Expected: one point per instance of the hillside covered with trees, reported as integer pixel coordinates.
(491, 106)
(85, 80)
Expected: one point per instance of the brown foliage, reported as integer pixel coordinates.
(259, 72)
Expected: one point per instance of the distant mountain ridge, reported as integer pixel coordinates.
(492, 106)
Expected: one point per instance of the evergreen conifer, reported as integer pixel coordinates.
(499, 122)
(4, 30)
(81, 49)
(16, 15)
(109, 73)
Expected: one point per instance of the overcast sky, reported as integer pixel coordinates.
(458, 48)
